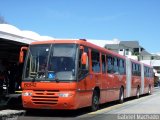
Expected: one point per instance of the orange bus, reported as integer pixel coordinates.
(71, 74)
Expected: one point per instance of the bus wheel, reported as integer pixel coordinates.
(95, 101)
(138, 93)
(121, 96)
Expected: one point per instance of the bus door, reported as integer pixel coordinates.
(110, 78)
(136, 78)
(104, 81)
(118, 78)
(146, 78)
(84, 83)
(142, 78)
(96, 69)
(103, 78)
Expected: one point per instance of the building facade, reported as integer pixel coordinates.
(133, 50)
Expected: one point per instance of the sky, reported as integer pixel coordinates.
(126, 20)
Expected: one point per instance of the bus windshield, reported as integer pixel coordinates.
(51, 62)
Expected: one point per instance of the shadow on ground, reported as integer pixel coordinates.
(69, 113)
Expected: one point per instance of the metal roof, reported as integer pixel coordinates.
(130, 44)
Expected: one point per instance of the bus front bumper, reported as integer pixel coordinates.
(48, 100)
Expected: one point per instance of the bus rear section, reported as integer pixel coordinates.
(139, 78)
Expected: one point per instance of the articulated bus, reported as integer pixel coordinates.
(71, 74)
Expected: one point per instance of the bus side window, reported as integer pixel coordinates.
(148, 72)
(133, 69)
(109, 64)
(136, 69)
(103, 64)
(116, 65)
(145, 72)
(121, 67)
(139, 70)
(152, 73)
(95, 61)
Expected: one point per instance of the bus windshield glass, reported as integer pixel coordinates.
(51, 62)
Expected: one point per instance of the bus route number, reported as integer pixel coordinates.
(29, 85)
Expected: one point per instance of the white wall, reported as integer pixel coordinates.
(151, 62)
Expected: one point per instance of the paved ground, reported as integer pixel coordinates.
(144, 108)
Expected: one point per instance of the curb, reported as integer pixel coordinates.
(11, 114)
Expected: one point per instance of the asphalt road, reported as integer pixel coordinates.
(147, 107)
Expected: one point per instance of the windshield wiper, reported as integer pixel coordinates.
(33, 76)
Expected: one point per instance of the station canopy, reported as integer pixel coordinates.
(12, 38)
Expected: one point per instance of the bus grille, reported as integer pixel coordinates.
(45, 97)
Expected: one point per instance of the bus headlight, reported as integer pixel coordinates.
(27, 94)
(65, 94)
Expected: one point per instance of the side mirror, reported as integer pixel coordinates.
(84, 58)
(21, 54)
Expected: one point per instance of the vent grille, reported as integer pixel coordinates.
(45, 97)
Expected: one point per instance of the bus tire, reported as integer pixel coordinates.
(121, 95)
(138, 93)
(95, 101)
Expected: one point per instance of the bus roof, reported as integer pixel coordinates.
(88, 44)
(80, 41)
